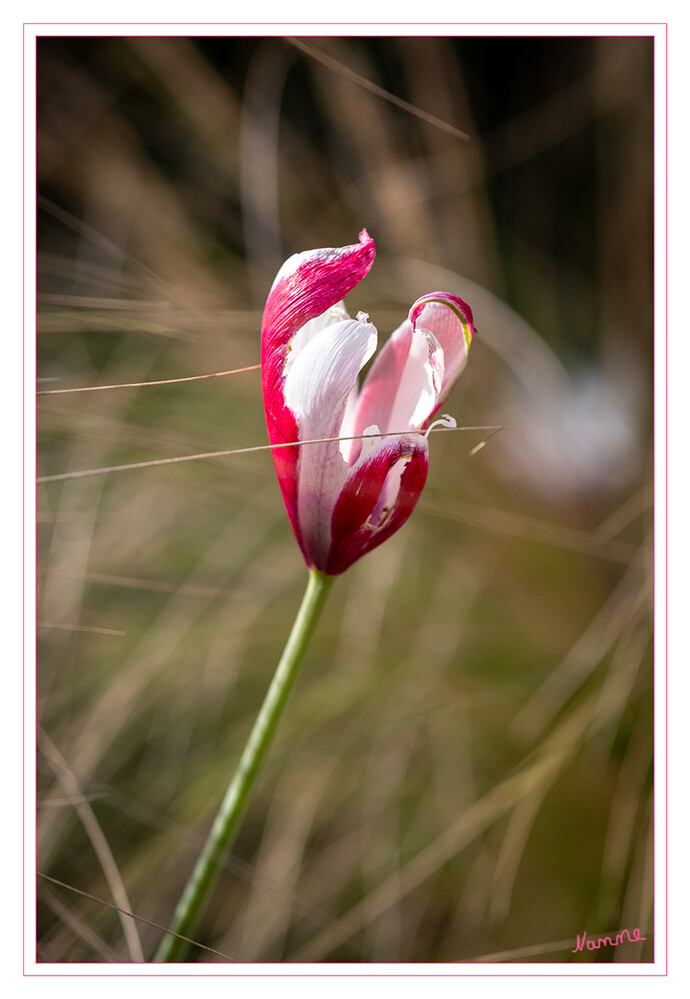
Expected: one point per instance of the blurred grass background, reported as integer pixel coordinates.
(464, 771)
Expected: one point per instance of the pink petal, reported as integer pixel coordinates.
(417, 367)
(379, 495)
(403, 386)
(450, 320)
(307, 285)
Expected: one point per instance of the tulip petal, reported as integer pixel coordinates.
(450, 320)
(404, 384)
(337, 313)
(307, 285)
(378, 496)
(317, 387)
(417, 367)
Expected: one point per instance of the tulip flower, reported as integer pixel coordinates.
(345, 497)
(347, 493)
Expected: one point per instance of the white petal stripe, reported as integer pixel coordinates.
(325, 371)
(317, 388)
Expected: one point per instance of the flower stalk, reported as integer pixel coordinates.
(227, 821)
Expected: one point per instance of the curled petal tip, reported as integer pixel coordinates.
(453, 302)
(367, 248)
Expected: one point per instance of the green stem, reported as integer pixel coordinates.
(172, 948)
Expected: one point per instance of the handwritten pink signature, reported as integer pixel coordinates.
(582, 941)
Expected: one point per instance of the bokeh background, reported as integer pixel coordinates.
(464, 771)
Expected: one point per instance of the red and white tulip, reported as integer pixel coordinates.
(345, 497)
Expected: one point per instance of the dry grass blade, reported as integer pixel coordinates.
(62, 626)
(94, 235)
(90, 472)
(630, 598)
(133, 916)
(528, 528)
(163, 381)
(421, 867)
(373, 88)
(79, 928)
(70, 786)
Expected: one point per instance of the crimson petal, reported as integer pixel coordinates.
(359, 524)
(306, 286)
